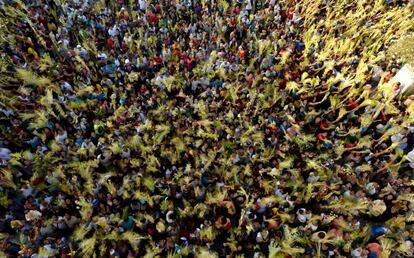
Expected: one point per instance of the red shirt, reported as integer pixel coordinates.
(294, 75)
(151, 231)
(241, 53)
(110, 43)
(323, 125)
(284, 13)
(227, 226)
(189, 63)
(352, 104)
(158, 60)
(43, 20)
(184, 233)
(349, 145)
(124, 45)
(291, 12)
(383, 116)
(152, 18)
(321, 136)
(251, 80)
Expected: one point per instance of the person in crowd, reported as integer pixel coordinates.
(204, 128)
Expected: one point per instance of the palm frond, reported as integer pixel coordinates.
(87, 246)
(30, 78)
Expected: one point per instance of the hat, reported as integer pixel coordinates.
(380, 127)
(16, 224)
(33, 215)
(377, 208)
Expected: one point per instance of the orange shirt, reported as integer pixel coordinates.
(375, 248)
(241, 53)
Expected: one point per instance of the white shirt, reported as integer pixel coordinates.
(5, 154)
(67, 87)
(356, 253)
(142, 5)
(312, 178)
(249, 5)
(397, 137)
(370, 187)
(113, 31)
(62, 137)
(87, 145)
(261, 238)
(27, 191)
(302, 217)
(126, 154)
(410, 158)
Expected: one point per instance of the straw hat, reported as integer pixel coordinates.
(377, 208)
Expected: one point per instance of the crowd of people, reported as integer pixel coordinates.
(204, 128)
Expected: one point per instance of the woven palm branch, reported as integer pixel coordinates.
(152, 163)
(314, 165)
(143, 196)
(201, 209)
(179, 144)
(404, 48)
(205, 253)
(286, 163)
(205, 135)
(216, 197)
(30, 78)
(27, 116)
(114, 235)
(45, 62)
(232, 91)
(387, 245)
(403, 248)
(349, 207)
(409, 197)
(7, 178)
(149, 183)
(133, 238)
(80, 232)
(85, 208)
(292, 86)
(161, 132)
(43, 252)
(271, 199)
(334, 101)
(16, 157)
(398, 222)
(202, 109)
(87, 246)
(40, 120)
(110, 186)
(287, 246)
(308, 192)
(208, 234)
(170, 83)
